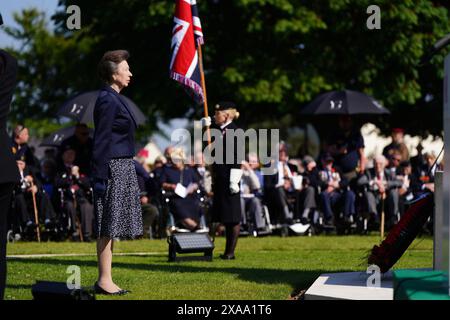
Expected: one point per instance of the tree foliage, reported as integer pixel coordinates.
(270, 56)
(49, 68)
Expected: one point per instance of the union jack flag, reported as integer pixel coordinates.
(186, 37)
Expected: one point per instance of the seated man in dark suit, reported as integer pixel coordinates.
(21, 149)
(312, 184)
(82, 143)
(426, 172)
(28, 188)
(76, 196)
(381, 186)
(335, 192)
(277, 188)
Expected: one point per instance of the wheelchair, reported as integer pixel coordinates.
(341, 225)
(248, 226)
(368, 222)
(18, 232)
(66, 226)
(15, 229)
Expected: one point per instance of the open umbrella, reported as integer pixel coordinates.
(81, 108)
(57, 137)
(344, 102)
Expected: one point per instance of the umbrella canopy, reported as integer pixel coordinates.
(56, 138)
(81, 108)
(344, 102)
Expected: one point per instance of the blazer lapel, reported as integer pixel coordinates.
(124, 103)
(128, 109)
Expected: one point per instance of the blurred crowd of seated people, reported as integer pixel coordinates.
(339, 187)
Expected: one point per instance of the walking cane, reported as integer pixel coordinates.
(36, 219)
(77, 221)
(382, 216)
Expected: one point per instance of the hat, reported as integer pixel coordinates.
(327, 157)
(224, 105)
(307, 160)
(398, 130)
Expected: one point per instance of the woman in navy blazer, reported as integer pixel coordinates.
(116, 191)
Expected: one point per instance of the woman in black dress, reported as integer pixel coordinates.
(186, 210)
(116, 191)
(226, 207)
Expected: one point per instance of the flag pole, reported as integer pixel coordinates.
(205, 100)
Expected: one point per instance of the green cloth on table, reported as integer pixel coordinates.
(420, 285)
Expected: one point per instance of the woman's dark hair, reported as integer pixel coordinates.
(108, 64)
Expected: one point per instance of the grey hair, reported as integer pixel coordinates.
(380, 158)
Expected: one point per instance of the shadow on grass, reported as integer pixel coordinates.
(298, 279)
(19, 286)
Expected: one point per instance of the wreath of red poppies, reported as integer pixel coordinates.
(403, 233)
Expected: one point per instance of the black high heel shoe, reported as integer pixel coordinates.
(100, 290)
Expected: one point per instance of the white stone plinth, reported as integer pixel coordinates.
(349, 286)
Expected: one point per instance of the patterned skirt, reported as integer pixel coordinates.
(118, 212)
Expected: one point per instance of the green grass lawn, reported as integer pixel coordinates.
(265, 268)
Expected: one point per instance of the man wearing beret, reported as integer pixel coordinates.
(9, 174)
(397, 144)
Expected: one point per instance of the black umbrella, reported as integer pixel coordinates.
(81, 108)
(344, 102)
(56, 138)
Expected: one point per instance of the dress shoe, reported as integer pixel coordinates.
(100, 290)
(31, 225)
(304, 220)
(328, 223)
(227, 257)
(349, 219)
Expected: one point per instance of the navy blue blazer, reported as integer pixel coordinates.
(114, 131)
